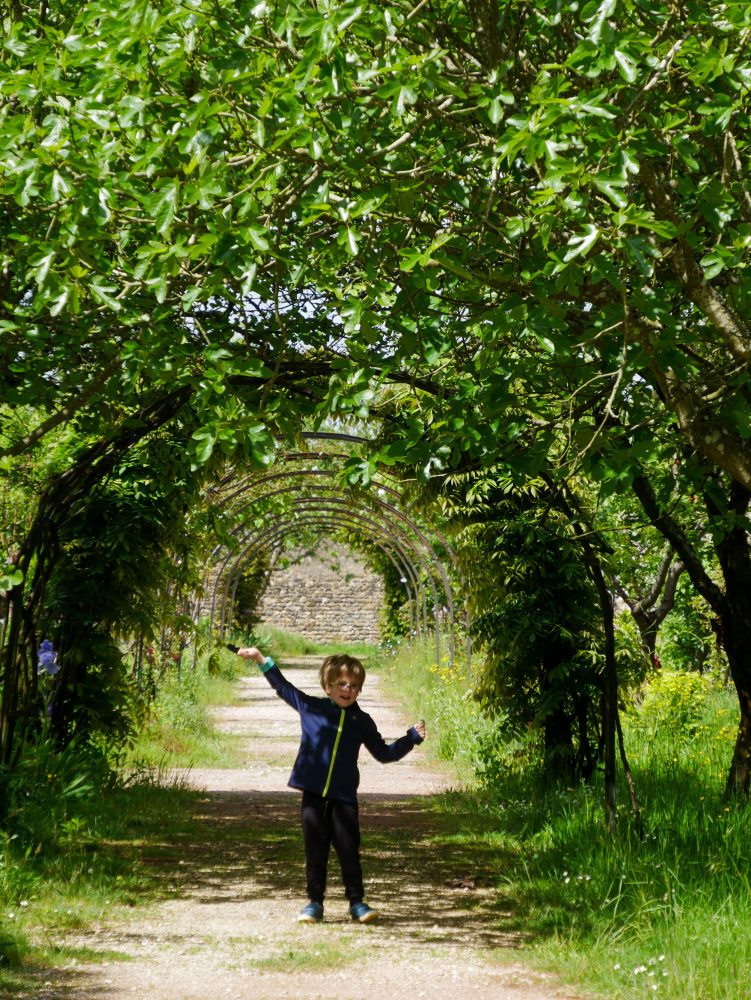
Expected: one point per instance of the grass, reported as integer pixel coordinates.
(75, 834)
(75, 830)
(661, 909)
(317, 953)
(161, 746)
(177, 730)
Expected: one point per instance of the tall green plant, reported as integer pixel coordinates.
(534, 616)
(251, 586)
(125, 557)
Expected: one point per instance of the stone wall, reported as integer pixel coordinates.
(332, 599)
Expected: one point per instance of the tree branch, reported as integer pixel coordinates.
(703, 429)
(732, 159)
(704, 295)
(672, 531)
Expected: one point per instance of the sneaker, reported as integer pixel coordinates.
(311, 914)
(362, 913)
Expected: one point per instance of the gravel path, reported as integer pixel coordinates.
(226, 926)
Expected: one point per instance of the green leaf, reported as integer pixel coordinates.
(405, 98)
(10, 577)
(59, 301)
(261, 443)
(583, 243)
(257, 236)
(713, 263)
(496, 110)
(639, 249)
(612, 188)
(190, 296)
(359, 471)
(61, 187)
(41, 266)
(164, 206)
(212, 355)
(603, 11)
(105, 294)
(248, 279)
(205, 439)
(626, 64)
(588, 107)
(348, 239)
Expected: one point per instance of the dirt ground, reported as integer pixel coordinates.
(226, 925)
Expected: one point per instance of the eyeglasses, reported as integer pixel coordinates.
(344, 686)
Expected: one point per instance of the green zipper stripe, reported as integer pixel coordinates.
(333, 754)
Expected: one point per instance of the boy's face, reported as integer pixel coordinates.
(344, 690)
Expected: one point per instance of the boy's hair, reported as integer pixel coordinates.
(333, 666)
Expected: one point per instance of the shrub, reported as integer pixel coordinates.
(42, 793)
(672, 706)
(460, 731)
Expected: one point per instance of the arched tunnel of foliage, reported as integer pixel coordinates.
(511, 241)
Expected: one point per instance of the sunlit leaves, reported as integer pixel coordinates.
(347, 237)
(9, 577)
(613, 187)
(597, 15)
(345, 146)
(582, 243)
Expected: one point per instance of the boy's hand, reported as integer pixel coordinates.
(251, 653)
(420, 727)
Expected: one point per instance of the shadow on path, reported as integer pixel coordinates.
(248, 845)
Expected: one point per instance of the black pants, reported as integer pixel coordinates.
(326, 822)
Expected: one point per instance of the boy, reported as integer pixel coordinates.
(333, 730)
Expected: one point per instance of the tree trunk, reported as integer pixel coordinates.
(740, 768)
(735, 623)
(636, 808)
(647, 613)
(609, 701)
(733, 607)
(10, 672)
(559, 745)
(609, 695)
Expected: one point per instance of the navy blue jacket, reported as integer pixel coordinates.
(331, 739)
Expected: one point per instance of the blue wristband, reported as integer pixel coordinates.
(268, 664)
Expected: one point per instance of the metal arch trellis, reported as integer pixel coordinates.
(335, 522)
(359, 519)
(229, 557)
(290, 517)
(342, 519)
(286, 474)
(355, 439)
(434, 561)
(358, 439)
(338, 504)
(383, 506)
(418, 622)
(379, 502)
(271, 535)
(395, 531)
(392, 510)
